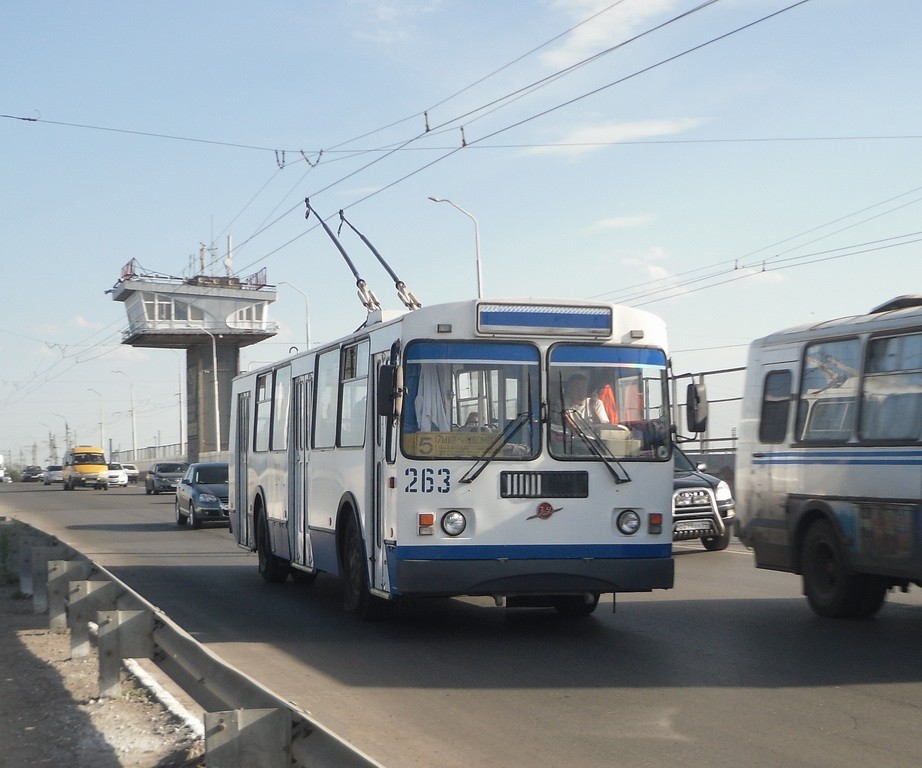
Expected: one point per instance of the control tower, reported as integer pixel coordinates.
(209, 316)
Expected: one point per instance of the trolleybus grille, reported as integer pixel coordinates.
(546, 485)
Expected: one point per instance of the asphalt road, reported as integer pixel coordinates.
(729, 668)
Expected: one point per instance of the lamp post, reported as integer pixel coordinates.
(476, 239)
(102, 439)
(134, 429)
(307, 314)
(217, 407)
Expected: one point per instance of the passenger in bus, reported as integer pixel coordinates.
(576, 400)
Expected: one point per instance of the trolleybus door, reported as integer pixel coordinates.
(378, 486)
(298, 470)
(241, 520)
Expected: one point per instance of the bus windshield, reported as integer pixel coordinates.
(607, 401)
(462, 397)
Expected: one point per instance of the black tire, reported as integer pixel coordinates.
(357, 598)
(576, 605)
(832, 591)
(273, 569)
(718, 543)
(147, 490)
(193, 518)
(303, 577)
(180, 517)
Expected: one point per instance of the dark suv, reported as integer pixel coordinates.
(702, 505)
(33, 474)
(164, 476)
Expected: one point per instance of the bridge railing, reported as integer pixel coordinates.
(245, 723)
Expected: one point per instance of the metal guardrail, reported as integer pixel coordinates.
(245, 722)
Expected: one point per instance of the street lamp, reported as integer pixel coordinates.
(476, 239)
(307, 314)
(134, 429)
(102, 443)
(217, 407)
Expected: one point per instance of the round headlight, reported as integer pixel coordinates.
(453, 523)
(628, 522)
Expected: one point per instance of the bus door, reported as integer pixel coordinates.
(772, 476)
(241, 520)
(379, 472)
(298, 470)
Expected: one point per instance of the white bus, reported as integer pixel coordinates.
(427, 454)
(829, 462)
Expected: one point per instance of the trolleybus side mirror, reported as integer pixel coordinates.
(388, 390)
(696, 407)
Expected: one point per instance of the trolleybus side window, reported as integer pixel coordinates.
(776, 406)
(325, 403)
(280, 406)
(891, 406)
(263, 412)
(828, 391)
(354, 402)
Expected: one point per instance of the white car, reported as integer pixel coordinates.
(53, 474)
(132, 471)
(118, 475)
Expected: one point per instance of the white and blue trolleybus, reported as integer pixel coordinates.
(439, 452)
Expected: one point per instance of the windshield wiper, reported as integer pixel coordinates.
(509, 431)
(595, 445)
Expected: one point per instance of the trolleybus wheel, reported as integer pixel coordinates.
(576, 605)
(356, 597)
(271, 568)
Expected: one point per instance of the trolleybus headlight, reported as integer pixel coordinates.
(453, 523)
(628, 522)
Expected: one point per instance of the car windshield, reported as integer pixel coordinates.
(171, 468)
(115, 466)
(211, 475)
(89, 458)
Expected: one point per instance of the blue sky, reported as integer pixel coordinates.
(732, 174)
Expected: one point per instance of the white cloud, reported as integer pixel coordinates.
(389, 22)
(587, 138)
(614, 26)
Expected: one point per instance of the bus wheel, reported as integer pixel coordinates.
(576, 605)
(356, 597)
(831, 590)
(271, 568)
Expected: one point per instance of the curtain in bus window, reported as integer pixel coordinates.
(433, 399)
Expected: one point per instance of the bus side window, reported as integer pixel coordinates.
(776, 406)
